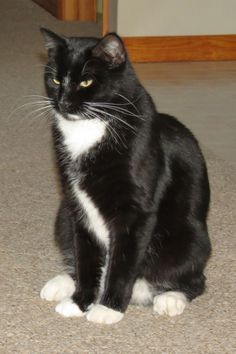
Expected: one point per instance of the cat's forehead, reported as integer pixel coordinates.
(80, 46)
(76, 53)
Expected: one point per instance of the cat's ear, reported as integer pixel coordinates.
(52, 40)
(110, 49)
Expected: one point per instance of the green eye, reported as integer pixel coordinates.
(56, 82)
(86, 83)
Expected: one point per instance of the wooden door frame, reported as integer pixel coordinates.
(109, 16)
(73, 10)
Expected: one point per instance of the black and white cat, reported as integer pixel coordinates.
(132, 222)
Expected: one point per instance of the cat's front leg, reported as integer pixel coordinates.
(126, 254)
(89, 260)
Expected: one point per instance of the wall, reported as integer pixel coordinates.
(176, 17)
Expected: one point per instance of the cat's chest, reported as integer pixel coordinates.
(80, 136)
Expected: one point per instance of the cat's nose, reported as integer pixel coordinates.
(65, 106)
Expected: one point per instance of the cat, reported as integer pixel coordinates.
(132, 221)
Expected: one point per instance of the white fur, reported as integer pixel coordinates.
(142, 294)
(103, 314)
(103, 278)
(97, 225)
(58, 288)
(67, 308)
(95, 222)
(170, 303)
(81, 134)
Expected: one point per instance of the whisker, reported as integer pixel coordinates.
(46, 113)
(110, 129)
(46, 66)
(33, 117)
(38, 96)
(40, 117)
(126, 99)
(112, 116)
(108, 103)
(44, 109)
(27, 105)
(117, 109)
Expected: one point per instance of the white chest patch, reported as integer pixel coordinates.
(81, 135)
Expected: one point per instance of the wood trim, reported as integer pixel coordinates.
(87, 10)
(70, 10)
(67, 11)
(77, 10)
(181, 48)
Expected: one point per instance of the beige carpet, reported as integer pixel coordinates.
(29, 199)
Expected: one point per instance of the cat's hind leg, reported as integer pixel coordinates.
(170, 303)
(58, 288)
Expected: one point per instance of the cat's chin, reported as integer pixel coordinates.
(68, 116)
(73, 117)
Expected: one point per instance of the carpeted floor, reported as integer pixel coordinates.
(29, 199)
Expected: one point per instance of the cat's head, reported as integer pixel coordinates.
(83, 73)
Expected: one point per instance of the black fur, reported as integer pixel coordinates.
(148, 180)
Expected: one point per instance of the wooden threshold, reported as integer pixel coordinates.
(181, 48)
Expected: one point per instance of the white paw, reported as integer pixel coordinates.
(170, 303)
(68, 308)
(103, 314)
(58, 288)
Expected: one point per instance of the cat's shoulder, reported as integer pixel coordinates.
(176, 138)
(171, 128)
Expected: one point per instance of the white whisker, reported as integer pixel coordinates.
(28, 105)
(129, 102)
(41, 109)
(47, 66)
(39, 96)
(117, 109)
(111, 130)
(112, 116)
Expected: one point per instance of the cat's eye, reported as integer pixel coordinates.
(86, 83)
(56, 82)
